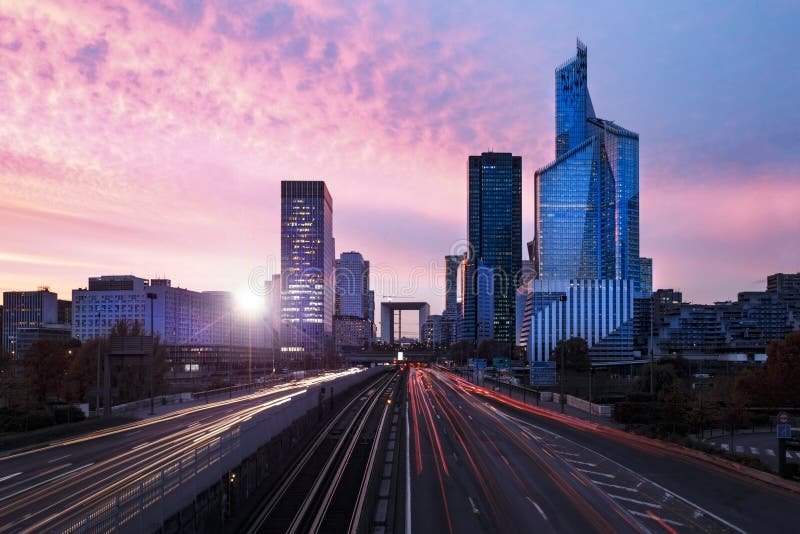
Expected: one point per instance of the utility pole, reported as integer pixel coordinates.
(562, 399)
(152, 297)
(650, 345)
(97, 393)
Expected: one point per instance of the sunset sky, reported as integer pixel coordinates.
(150, 137)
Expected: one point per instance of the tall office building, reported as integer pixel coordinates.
(451, 266)
(26, 309)
(352, 285)
(587, 199)
(495, 238)
(352, 320)
(307, 270)
(645, 276)
(586, 224)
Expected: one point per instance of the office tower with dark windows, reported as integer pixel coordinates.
(354, 310)
(26, 309)
(586, 226)
(645, 276)
(307, 271)
(494, 213)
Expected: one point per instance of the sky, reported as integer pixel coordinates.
(149, 137)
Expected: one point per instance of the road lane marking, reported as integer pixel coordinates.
(408, 475)
(656, 518)
(45, 482)
(53, 460)
(141, 445)
(132, 433)
(539, 508)
(595, 473)
(615, 486)
(588, 464)
(636, 501)
(9, 477)
(474, 508)
(634, 473)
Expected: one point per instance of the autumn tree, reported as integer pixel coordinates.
(44, 364)
(575, 354)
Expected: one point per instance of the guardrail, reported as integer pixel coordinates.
(143, 505)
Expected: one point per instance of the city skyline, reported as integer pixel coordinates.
(111, 166)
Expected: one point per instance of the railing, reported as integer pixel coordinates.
(144, 504)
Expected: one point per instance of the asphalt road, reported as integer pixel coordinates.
(41, 486)
(480, 462)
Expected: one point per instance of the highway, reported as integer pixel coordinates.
(43, 486)
(480, 462)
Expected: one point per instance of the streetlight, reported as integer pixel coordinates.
(152, 297)
(561, 398)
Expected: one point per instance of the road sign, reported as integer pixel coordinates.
(500, 363)
(480, 364)
(543, 373)
(784, 430)
(783, 418)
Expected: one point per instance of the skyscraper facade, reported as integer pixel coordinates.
(586, 226)
(307, 270)
(587, 199)
(495, 238)
(645, 276)
(352, 285)
(24, 309)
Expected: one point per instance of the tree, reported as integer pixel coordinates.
(44, 366)
(494, 348)
(675, 408)
(132, 379)
(575, 351)
(461, 351)
(663, 378)
(783, 370)
(81, 372)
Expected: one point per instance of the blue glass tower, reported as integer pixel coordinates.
(495, 238)
(307, 271)
(587, 200)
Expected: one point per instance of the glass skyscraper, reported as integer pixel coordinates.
(495, 238)
(585, 249)
(307, 270)
(587, 200)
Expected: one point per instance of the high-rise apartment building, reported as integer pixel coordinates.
(494, 213)
(26, 309)
(307, 270)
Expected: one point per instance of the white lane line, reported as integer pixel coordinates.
(65, 473)
(141, 445)
(595, 473)
(567, 453)
(615, 486)
(539, 508)
(588, 464)
(635, 501)
(54, 460)
(9, 477)
(408, 475)
(770, 452)
(132, 433)
(754, 450)
(648, 516)
(474, 508)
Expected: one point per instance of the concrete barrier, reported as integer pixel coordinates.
(143, 506)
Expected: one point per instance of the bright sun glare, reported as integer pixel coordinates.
(247, 300)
